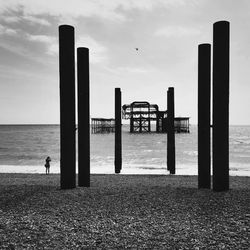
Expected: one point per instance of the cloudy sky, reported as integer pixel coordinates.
(167, 33)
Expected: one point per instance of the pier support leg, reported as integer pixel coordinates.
(67, 106)
(221, 106)
(171, 132)
(118, 131)
(204, 100)
(149, 123)
(83, 117)
(131, 124)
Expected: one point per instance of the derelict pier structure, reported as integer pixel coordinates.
(102, 125)
(142, 114)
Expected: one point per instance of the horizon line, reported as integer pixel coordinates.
(58, 124)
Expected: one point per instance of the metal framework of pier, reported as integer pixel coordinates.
(102, 125)
(141, 115)
(181, 124)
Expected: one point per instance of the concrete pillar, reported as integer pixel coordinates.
(67, 106)
(118, 131)
(221, 106)
(83, 117)
(171, 132)
(204, 101)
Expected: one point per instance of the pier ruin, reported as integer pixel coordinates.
(143, 114)
(102, 125)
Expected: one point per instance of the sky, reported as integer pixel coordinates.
(166, 32)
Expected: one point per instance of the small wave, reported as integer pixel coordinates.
(147, 150)
(191, 153)
(152, 168)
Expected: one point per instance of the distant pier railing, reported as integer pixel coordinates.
(181, 124)
(102, 125)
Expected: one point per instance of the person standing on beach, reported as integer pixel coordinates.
(47, 164)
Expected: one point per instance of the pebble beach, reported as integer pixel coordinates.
(122, 212)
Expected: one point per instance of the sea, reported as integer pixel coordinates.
(24, 148)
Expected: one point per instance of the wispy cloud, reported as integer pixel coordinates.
(16, 49)
(63, 9)
(150, 4)
(50, 42)
(41, 38)
(10, 18)
(177, 31)
(7, 31)
(97, 51)
(110, 9)
(36, 20)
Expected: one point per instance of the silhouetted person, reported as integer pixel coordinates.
(47, 164)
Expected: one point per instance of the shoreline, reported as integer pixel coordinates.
(181, 169)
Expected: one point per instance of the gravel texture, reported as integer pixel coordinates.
(122, 211)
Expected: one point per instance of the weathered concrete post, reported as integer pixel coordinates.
(118, 131)
(83, 117)
(67, 106)
(204, 100)
(171, 132)
(221, 106)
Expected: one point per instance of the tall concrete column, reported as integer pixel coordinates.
(118, 131)
(83, 117)
(170, 132)
(221, 106)
(204, 101)
(67, 106)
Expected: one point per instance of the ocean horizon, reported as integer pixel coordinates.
(24, 147)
